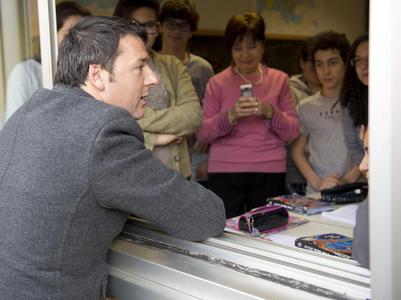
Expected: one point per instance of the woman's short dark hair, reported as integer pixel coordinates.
(182, 10)
(93, 40)
(354, 94)
(125, 8)
(66, 9)
(331, 40)
(242, 24)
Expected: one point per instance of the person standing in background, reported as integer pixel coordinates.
(354, 95)
(305, 84)
(248, 132)
(329, 163)
(302, 86)
(26, 77)
(179, 19)
(173, 111)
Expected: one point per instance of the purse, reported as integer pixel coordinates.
(263, 219)
(346, 193)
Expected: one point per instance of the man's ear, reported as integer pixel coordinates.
(95, 76)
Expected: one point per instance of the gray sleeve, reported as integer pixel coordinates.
(352, 140)
(360, 243)
(125, 176)
(303, 125)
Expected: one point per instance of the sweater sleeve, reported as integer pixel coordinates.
(360, 244)
(215, 123)
(125, 176)
(285, 121)
(184, 115)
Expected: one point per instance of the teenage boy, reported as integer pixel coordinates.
(329, 162)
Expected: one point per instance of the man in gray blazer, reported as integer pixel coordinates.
(73, 166)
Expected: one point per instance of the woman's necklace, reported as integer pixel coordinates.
(261, 75)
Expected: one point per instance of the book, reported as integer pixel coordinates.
(329, 243)
(301, 204)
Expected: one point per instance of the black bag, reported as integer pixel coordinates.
(346, 193)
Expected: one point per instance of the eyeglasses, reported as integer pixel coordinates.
(151, 27)
(359, 61)
(172, 24)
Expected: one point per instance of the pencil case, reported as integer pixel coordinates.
(263, 219)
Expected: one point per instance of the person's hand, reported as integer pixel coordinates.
(165, 139)
(243, 107)
(201, 171)
(264, 109)
(201, 147)
(249, 106)
(329, 182)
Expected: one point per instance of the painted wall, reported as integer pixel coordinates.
(285, 18)
(289, 18)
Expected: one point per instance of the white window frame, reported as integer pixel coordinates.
(385, 148)
(48, 40)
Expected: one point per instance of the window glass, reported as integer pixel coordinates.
(21, 69)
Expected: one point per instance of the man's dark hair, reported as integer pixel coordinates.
(304, 52)
(182, 10)
(93, 40)
(240, 25)
(330, 40)
(354, 94)
(125, 8)
(66, 9)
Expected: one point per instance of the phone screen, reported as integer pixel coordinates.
(246, 90)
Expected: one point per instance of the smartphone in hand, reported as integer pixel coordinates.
(246, 90)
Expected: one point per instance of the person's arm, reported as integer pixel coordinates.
(185, 114)
(161, 139)
(360, 243)
(302, 162)
(284, 122)
(19, 88)
(217, 122)
(352, 175)
(125, 176)
(352, 140)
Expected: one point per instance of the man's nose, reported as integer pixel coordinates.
(150, 78)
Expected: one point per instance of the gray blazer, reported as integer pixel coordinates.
(72, 169)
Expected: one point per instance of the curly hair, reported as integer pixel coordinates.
(354, 94)
(331, 40)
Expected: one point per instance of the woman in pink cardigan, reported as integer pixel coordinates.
(247, 159)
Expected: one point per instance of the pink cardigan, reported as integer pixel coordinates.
(255, 144)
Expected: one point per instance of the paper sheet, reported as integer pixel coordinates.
(345, 214)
